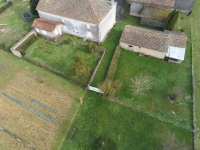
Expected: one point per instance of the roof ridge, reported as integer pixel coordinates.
(95, 13)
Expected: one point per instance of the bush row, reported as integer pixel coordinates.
(114, 63)
(5, 6)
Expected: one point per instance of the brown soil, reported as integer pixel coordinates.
(32, 129)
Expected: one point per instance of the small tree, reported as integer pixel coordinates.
(171, 20)
(110, 87)
(140, 84)
(33, 5)
(90, 47)
(79, 67)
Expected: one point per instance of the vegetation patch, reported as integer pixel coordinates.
(14, 27)
(22, 80)
(5, 6)
(196, 72)
(106, 125)
(65, 57)
(22, 48)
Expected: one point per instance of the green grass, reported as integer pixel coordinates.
(2, 2)
(128, 129)
(16, 26)
(196, 71)
(167, 79)
(60, 58)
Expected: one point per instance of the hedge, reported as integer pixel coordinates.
(5, 6)
(114, 63)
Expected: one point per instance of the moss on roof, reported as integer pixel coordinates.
(155, 12)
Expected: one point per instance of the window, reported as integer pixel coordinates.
(88, 26)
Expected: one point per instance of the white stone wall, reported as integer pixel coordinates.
(136, 9)
(74, 27)
(107, 23)
(146, 51)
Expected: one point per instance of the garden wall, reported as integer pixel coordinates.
(18, 44)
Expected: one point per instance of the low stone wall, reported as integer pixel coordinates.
(14, 48)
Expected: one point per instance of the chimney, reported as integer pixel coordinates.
(111, 2)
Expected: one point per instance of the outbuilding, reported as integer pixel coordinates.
(158, 44)
(48, 28)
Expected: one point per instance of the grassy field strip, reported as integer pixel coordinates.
(196, 73)
(149, 113)
(28, 107)
(41, 104)
(72, 120)
(113, 65)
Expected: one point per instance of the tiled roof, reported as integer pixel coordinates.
(168, 3)
(45, 24)
(152, 39)
(156, 13)
(92, 11)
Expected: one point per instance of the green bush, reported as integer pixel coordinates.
(5, 6)
(171, 20)
(79, 67)
(90, 47)
(110, 87)
(114, 63)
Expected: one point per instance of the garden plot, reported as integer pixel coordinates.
(13, 26)
(23, 99)
(60, 57)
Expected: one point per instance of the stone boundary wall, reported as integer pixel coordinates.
(97, 66)
(14, 47)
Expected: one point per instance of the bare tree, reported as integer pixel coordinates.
(140, 84)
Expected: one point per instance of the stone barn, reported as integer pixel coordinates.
(152, 12)
(184, 6)
(159, 44)
(88, 19)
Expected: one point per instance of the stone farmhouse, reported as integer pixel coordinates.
(155, 12)
(159, 44)
(88, 19)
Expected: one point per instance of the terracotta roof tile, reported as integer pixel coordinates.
(92, 11)
(152, 39)
(168, 3)
(45, 24)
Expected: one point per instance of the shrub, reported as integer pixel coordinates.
(110, 87)
(5, 6)
(104, 143)
(90, 47)
(79, 67)
(170, 142)
(33, 5)
(140, 84)
(171, 20)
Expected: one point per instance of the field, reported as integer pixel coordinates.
(15, 27)
(196, 72)
(36, 106)
(120, 128)
(60, 57)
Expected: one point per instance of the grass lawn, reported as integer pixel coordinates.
(60, 58)
(22, 80)
(121, 126)
(16, 27)
(2, 2)
(112, 41)
(196, 71)
(167, 79)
